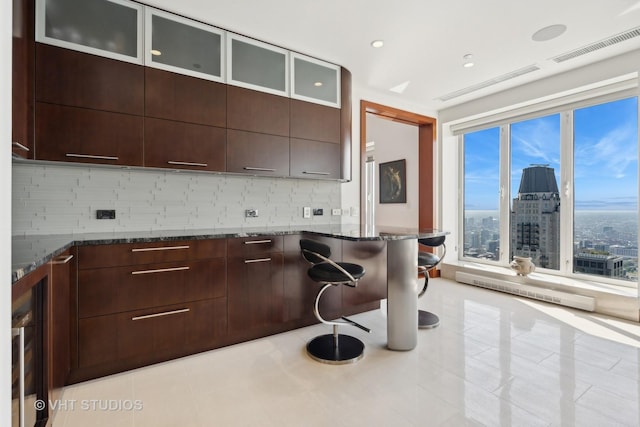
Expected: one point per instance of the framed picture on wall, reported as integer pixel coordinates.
(393, 182)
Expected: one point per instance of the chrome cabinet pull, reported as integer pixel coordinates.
(175, 162)
(316, 173)
(251, 261)
(20, 146)
(91, 156)
(164, 313)
(249, 168)
(159, 248)
(62, 260)
(256, 242)
(19, 332)
(160, 270)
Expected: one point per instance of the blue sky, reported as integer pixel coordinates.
(605, 152)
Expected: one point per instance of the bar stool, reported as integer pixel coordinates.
(333, 348)
(427, 261)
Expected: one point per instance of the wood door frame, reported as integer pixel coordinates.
(426, 142)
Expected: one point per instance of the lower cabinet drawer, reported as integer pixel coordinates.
(151, 334)
(112, 290)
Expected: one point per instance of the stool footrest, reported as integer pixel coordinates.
(356, 324)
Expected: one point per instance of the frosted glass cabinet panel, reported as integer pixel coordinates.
(183, 46)
(111, 28)
(315, 81)
(256, 65)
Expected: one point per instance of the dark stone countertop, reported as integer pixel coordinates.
(32, 251)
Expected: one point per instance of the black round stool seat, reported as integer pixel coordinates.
(324, 349)
(329, 274)
(427, 259)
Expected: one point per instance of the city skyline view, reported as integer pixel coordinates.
(605, 153)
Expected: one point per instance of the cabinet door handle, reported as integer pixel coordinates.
(251, 261)
(19, 332)
(250, 168)
(159, 248)
(160, 270)
(316, 173)
(164, 313)
(175, 162)
(20, 146)
(256, 242)
(91, 156)
(62, 260)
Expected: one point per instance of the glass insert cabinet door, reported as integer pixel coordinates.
(183, 46)
(315, 81)
(111, 28)
(257, 65)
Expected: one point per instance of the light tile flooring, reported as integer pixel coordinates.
(495, 360)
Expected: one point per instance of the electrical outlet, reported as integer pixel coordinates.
(106, 214)
(306, 212)
(251, 213)
(337, 211)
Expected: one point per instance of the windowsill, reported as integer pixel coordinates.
(548, 281)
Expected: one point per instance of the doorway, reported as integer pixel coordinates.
(426, 135)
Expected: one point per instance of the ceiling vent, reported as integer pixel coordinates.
(493, 81)
(627, 35)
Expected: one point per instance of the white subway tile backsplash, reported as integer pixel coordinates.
(56, 199)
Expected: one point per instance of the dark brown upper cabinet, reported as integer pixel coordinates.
(255, 111)
(178, 145)
(22, 79)
(314, 159)
(257, 154)
(315, 122)
(184, 98)
(71, 134)
(77, 79)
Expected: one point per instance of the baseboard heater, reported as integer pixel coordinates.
(547, 295)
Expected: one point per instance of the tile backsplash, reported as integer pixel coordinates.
(57, 199)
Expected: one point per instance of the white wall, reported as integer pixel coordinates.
(395, 141)
(5, 213)
(59, 198)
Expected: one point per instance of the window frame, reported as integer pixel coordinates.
(503, 120)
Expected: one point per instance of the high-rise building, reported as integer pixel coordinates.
(535, 217)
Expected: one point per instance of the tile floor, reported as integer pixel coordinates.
(495, 360)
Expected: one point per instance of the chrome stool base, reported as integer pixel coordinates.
(427, 320)
(324, 349)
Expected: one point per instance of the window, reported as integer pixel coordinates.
(572, 181)
(481, 194)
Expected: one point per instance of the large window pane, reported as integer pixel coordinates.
(606, 189)
(481, 194)
(535, 207)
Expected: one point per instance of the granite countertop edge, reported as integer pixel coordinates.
(32, 251)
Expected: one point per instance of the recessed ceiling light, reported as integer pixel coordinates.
(377, 43)
(467, 61)
(549, 33)
(317, 84)
(155, 52)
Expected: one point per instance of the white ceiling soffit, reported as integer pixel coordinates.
(634, 32)
(491, 82)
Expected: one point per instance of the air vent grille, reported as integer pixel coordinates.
(618, 38)
(491, 82)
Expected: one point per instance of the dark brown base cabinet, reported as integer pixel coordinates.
(139, 304)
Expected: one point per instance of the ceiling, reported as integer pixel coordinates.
(425, 40)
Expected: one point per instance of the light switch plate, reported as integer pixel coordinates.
(306, 212)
